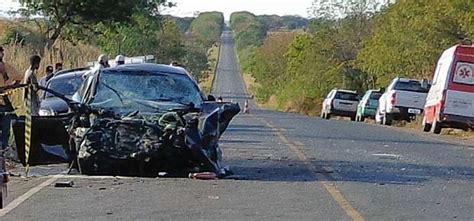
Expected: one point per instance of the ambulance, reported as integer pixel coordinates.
(450, 101)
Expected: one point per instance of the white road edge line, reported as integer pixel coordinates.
(18, 201)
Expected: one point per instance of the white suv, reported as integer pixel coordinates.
(340, 103)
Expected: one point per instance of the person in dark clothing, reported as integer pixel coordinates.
(58, 67)
(49, 75)
(9, 77)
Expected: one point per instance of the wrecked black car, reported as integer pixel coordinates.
(137, 119)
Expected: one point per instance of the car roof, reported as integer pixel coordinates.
(346, 91)
(149, 67)
(76, 73)
(374, 90)
(71, 70)
(407, 80)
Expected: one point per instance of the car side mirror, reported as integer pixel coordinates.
(211, 98)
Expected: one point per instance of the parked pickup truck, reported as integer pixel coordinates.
(404, 99)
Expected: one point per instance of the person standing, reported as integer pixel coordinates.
(6, 78)
(58, 67)
(31, 78)
(103, 61)
(119, 60)
(49, 74)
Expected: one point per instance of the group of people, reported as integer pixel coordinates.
(10, 77)
(103, 61)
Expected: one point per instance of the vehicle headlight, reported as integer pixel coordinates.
(46, 112)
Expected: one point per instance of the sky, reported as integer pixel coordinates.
(190, 7)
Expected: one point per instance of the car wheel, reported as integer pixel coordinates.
(353, 118)
(436, 127)
(361, 118)
(426, 126)
(387, 119)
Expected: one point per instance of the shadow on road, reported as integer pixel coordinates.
(346, 171)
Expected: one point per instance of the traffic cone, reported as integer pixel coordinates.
(246, 107)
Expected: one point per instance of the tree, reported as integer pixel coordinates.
(144, 35)
(249, 30)
(270, 63)
(208, 27)
(410, 36)
(62, 14)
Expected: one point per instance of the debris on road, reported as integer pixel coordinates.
(213, 197)
(64, 184)
(203, 176)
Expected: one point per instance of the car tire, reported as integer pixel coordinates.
(426, 126)
(387, 119)
(353, 118)
(436, 127)
(361, 119)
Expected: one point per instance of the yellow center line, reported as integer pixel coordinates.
(319, 173)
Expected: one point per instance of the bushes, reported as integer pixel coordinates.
(208, 27)
(249, 31)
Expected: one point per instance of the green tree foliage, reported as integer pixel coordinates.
(84, 13)
(275, 22)
(248, 29)
(410, 36)
(144, 35)
(294, 22)
(208, 27)
(183, 24)
(269, 63)
(196, 59)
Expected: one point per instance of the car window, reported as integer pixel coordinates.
(65, 85)
(144, 91)
(413, 86)
(346, 96)
(375, 96)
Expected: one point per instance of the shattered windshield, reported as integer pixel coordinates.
(66, 85)
(125, 91)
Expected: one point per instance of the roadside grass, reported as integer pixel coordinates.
(417, 125)
(17, 57)
(207, 82)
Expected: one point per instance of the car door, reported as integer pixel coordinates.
(327, 101)
(49, 140)
(363, 102)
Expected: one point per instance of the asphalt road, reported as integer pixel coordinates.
(288, 167)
